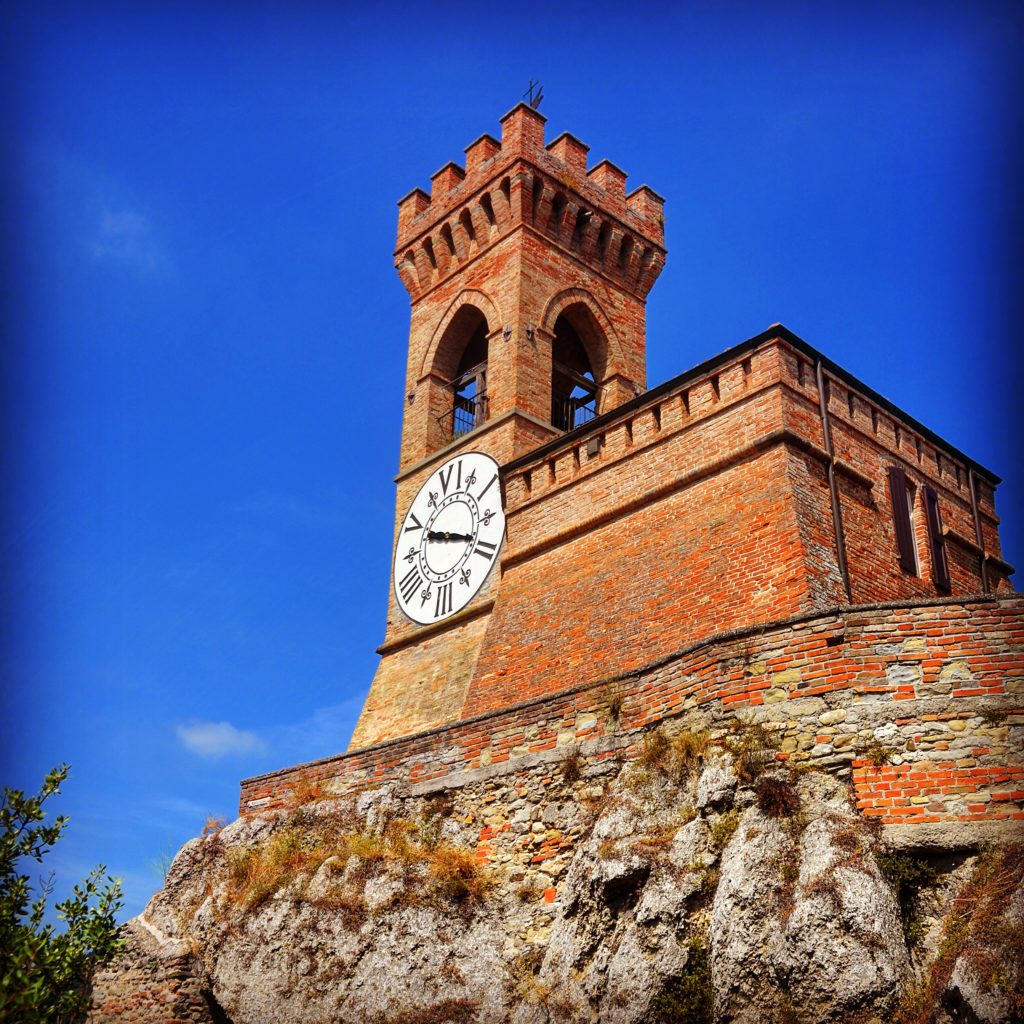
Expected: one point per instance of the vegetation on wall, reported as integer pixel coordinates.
(982, 932)
(330, 843)
(908, 875)
(687, 998)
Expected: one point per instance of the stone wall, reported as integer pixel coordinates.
(152, 982)
(933, 692)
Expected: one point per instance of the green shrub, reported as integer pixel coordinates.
(46, 974)
(908, 876)
(722, 830)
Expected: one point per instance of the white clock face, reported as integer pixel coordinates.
(450, 538)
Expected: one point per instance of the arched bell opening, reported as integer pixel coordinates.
(461, 365)
(578, 354)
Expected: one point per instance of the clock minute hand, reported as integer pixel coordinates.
(431, 535)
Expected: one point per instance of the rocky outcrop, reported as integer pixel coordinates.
(697, 880)
(803, 917)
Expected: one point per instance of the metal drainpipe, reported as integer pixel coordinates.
(978, 535)
(837, 515)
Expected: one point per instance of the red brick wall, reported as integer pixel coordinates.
(702, 507)
(615, 596)
(943, 683)
(867, 440)
(514, 221)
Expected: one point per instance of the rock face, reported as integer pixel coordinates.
(695, 883)
(834, 943)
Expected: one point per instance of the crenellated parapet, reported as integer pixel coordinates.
(521, 182)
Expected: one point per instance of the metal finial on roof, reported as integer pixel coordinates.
(534, 100)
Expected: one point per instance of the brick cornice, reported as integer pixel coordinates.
(467, 440)
(593, 267)
(775, 333)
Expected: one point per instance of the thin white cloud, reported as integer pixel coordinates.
(125, 236)
(213, 740)
(323, 733)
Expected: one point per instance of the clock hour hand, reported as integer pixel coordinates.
(432, 535)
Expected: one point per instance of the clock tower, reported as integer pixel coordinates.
(527, 274)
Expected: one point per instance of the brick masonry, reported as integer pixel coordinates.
(522, 235)
(700, 506)
(145, 985)
(939, 685)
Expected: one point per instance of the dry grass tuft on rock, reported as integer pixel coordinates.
(615, 699)
(876, 753)
(306, 789)
(448, 1011)
(778, 798)
(981, 932)
(673, 757)
(429, 871)
(572, 767)
(753, 748)
(256, 873)
(212, 826)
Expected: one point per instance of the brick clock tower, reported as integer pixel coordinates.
(528, 275)
(559, 525)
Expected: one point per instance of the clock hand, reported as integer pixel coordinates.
(431, 535)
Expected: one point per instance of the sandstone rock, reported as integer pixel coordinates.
(804, 918)
(717, 782)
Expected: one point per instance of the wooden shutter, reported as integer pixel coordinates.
(936, 539)
(901, 517)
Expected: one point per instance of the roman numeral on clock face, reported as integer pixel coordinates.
(416, 524)
(443, 602)
(408, 584)
(446, 479)
(484, 549)
(493, 480)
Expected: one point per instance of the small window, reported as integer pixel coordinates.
(902, 496)
(936, 540)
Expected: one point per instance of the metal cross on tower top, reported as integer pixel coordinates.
(534, 100)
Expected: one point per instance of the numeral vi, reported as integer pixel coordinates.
(446, 480)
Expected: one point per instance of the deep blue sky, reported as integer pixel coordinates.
(204, 337)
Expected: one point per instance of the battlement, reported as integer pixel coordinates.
(521, 181)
